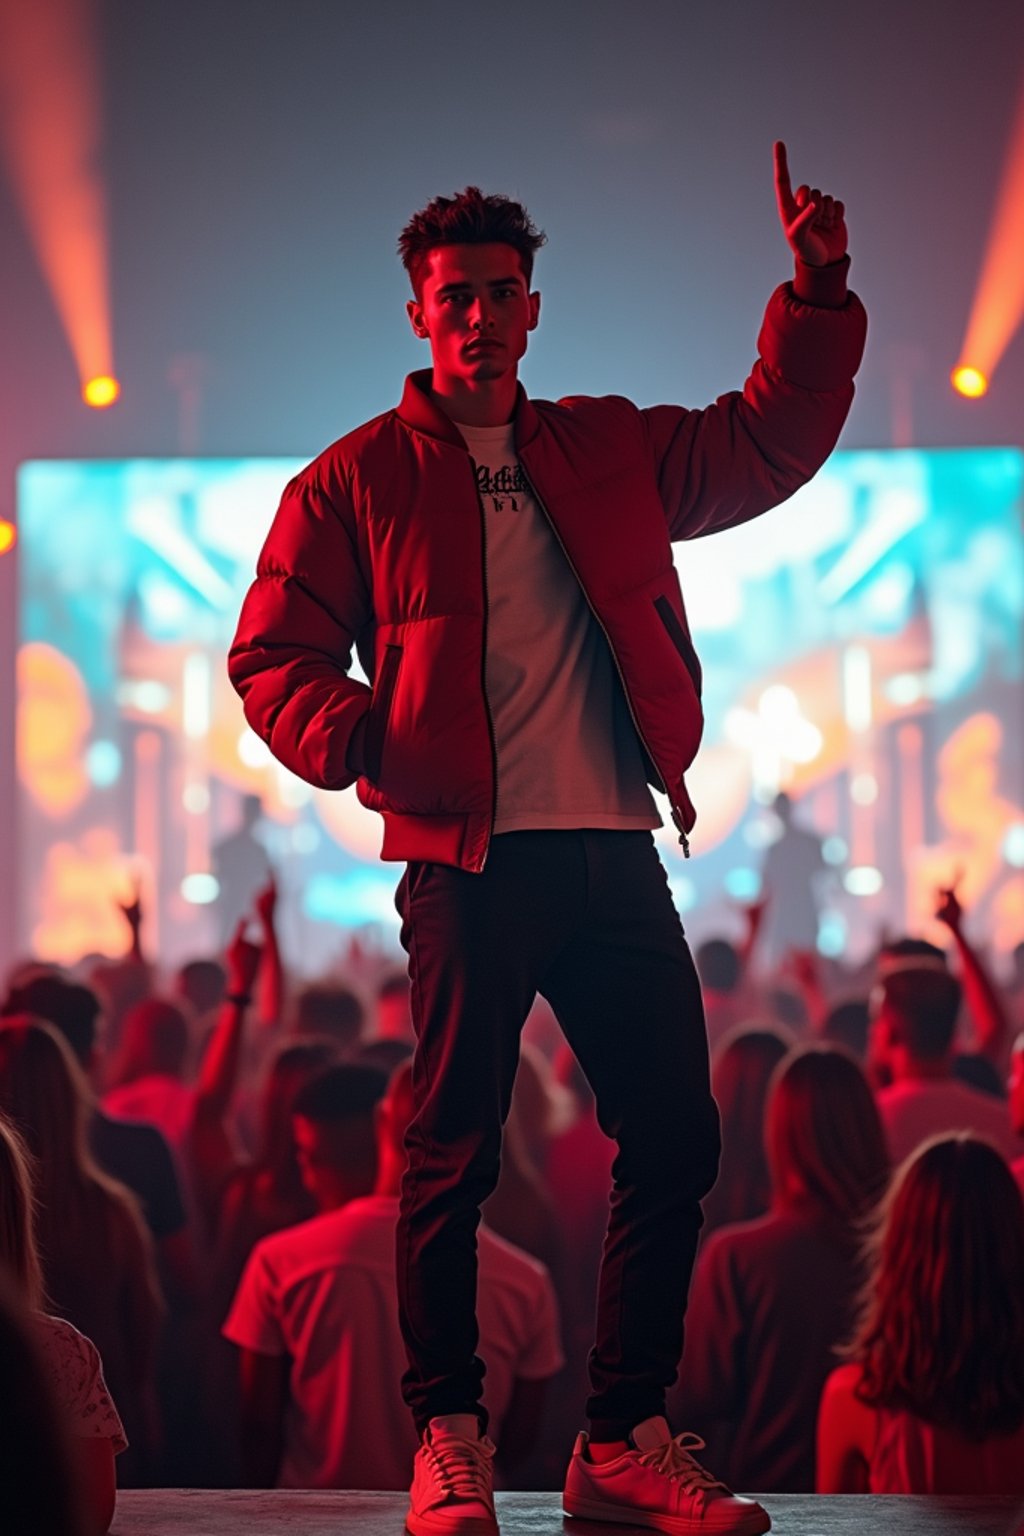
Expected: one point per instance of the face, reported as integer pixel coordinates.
(474, 294)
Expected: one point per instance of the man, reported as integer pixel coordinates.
(913, 1034)
(503, 567)
(315, 1313)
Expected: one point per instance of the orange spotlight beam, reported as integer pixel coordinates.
(998, 306)
(50, 137)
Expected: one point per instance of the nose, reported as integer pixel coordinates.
(480, 317)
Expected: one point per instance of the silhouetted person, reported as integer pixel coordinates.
(792, 868)
(240, 866)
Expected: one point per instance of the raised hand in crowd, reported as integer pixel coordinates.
(989, 1016)
(271, 976)
(803, 969)
(211, 1141)
(132, 913)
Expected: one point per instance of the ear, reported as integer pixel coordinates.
(414, 309)
(534, 302)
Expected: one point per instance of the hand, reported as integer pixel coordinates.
(266, 902)
(132, 910)
(753, 912)
(242, 960)
(813, 223)
(949, 910)
(802, 965)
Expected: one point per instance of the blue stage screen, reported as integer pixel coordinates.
(862, 650)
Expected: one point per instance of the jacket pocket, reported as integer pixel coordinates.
(681, 640)
(380, 711)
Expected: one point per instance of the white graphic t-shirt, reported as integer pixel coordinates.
(568, 753)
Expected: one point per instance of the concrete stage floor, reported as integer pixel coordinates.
(215, 1512)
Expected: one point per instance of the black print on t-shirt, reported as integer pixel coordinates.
(503, 486)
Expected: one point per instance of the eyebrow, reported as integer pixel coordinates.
(495, 282)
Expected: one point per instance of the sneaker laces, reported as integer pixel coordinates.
(674, 1460)
(461, 1465)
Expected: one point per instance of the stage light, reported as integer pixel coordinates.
(101, 391)
(970, 382)
(51, 140)
(998, 304)
(8, 536)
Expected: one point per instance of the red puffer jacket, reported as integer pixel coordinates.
(380, 544)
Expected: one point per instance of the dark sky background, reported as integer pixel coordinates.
(262, 155)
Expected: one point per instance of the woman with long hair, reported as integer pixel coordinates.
(96, 1253)
(86, 1419)
(931, 1399)
(741, 1070)
(772, 1297)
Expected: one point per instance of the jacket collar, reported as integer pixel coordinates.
(418, 411)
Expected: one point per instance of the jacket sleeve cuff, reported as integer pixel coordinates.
(824, 286)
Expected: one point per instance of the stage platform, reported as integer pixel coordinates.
(215, 1512)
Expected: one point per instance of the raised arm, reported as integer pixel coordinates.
(210, 1143)
(753, 448)
(271, 975)
(989, 1018)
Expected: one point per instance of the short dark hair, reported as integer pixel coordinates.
(70, 1007)
(330, 1009)
(468, 218)
(202, 983)
(346, 1092)
(923, 1007)
(718, 965)
(847, 1023)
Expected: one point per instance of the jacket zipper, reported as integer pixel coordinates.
(676, 814)
(483, 671)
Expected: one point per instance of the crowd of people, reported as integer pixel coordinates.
(199, 1185)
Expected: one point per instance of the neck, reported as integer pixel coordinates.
(487, 403)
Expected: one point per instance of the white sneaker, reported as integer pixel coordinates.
(657, 1483)
(452, 1482)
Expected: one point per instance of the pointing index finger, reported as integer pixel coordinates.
(783, 187)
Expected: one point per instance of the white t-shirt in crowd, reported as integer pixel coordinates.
(75, 1374)
(914, 1110)
(568, 752)
(324, 1294)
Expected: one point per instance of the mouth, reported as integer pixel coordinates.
(483, 346)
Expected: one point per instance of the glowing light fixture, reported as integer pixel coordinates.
(200, 889)
(51, 141)
(863, 880)
(998, 305)
(970, 382)
(101, 391)
(8, 536)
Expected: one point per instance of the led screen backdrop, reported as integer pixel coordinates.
(862, 648)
